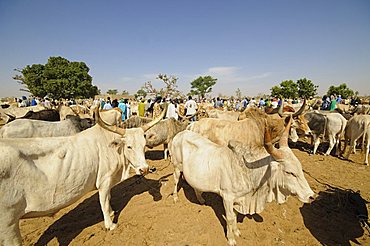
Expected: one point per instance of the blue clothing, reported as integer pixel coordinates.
(122, 106)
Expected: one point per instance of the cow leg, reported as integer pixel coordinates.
(231, 227)
(104, 198)
(165, 147)
(344, 148)
(367, 152)
(176, 177)
(332, 142)
(199, 196)
(316, 140)
(9, 228)
(353, 148)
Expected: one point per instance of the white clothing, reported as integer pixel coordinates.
(191, 107)
(171, 111)
(107, 106)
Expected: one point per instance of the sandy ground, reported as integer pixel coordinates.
(147, 215)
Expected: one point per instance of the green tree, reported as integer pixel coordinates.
(112, 91)
(306, 88)
(276, 91)
(290, 89)
(342, 90)
(287, 89)
(58, 78)
(125, 93)
(202, 85)
(141, 93)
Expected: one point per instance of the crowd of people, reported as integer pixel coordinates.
(33, 101)
(151, 108)
(188, 107)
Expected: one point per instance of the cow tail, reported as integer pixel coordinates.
(342, 133)
(364, 135)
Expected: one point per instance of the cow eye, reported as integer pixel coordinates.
(290, 173)
(129, 147)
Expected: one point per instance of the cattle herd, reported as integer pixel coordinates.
(50, 158)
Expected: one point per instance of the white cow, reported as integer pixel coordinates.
(357, 126)
(39, 176)
(328, 125)
(27, 128)
(223, 115)
(17, 112)
(246, 177)
(112, 116)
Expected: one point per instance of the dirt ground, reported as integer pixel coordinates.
(147, 215)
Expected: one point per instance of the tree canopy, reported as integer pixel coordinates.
(306, 88)
(287, 89)
(112, 92)
(141, 93)
(202, 85)
(58, 78)
(170, 89)
(290, 89)
(342, 90)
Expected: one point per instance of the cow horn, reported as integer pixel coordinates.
(300, 111)
(280, 111)
(284, 137)
(11, 117)
(104, 125)
(189, 116)
(270, 148)
(155, 121)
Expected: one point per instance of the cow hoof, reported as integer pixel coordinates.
(237, 233)
(113, 226)
(231, 242)
(175, 199)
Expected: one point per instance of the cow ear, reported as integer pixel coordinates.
(117, 142)
(235, 146)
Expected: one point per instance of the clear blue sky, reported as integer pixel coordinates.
(251, 45)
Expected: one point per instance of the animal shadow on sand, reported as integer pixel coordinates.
(304, 146)
(215, 202)
(336, 216)
(154, 155)
(89, 213)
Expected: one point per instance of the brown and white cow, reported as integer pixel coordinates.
(245, 176)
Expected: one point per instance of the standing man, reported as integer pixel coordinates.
(191, 108)
(141, 107)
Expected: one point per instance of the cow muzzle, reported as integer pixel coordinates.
(312, 198)
(144, 171)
